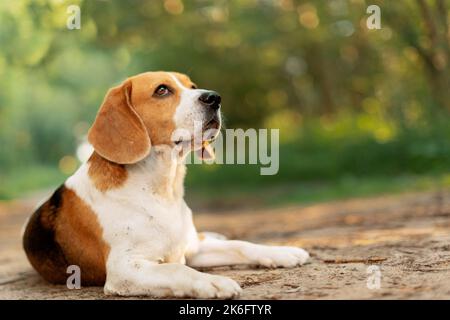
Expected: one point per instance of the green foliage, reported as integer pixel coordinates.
(350, 102)
(343, 149)
(22, 180)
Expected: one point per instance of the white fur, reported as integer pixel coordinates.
(150, 231)
(190, 114)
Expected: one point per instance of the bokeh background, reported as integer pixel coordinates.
(360, 111)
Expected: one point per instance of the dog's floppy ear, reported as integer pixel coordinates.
(118, 133)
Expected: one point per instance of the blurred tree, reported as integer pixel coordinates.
(430, 38)
(276, 63)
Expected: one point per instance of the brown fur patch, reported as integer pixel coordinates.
(184, 79)
(106, 174)
(80, 236)
(118, 133)
(156, 112)
(64, 231)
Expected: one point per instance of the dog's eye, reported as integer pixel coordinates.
(162, 90)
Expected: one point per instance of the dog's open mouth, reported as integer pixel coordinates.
(210, 131)
(213, 123)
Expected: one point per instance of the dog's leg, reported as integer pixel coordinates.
(216, 252)
(131, 276)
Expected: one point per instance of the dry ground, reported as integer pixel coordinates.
(407, 236)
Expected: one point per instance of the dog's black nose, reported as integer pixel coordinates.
(210, 99)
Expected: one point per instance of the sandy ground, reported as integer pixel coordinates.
(404, 239)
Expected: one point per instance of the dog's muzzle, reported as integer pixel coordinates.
(210, 99)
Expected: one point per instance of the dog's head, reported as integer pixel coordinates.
(154, 108)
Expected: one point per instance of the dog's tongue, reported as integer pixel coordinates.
(205, 152)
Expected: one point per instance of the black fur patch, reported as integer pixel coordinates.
(43, 252)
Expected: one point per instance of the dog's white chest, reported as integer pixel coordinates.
(150, 227)
(135, 218)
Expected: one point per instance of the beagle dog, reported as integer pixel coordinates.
(121, 217)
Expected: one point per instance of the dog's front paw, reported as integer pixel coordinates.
(201, 285)
(212, 286)
(285, 257)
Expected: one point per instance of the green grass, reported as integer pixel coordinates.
(330, 163)
(354, 188)
(21, 180)
(281, 194)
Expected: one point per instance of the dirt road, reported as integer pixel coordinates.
(405, 240)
